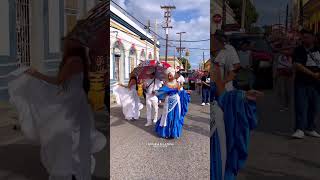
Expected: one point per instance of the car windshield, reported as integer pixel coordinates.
(259, 43)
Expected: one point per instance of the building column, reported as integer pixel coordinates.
(82, 9)
(37, 34)
(8, 60)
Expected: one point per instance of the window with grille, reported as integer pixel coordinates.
(23, 10)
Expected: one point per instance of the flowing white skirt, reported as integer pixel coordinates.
(63, 125)
(129, 100)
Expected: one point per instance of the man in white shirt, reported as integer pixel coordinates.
(228, 60)
(152, 85)
(180, 80)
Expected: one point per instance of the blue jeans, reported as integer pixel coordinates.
(205, 95)
(307, 103)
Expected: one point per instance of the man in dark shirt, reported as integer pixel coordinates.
(205, 81)
(307, 85)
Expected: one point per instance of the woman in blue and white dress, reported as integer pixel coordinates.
(175, 107)
(232, 115)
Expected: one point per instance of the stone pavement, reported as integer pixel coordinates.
(137, 153)
(20, 160)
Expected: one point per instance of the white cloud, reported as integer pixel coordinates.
(197, 27)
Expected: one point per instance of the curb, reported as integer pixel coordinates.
(8, 115)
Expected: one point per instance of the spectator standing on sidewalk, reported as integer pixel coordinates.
(246, 76)
(205, 80)
(180, 80)
(284, 73)
(228, 60)
(307, 85)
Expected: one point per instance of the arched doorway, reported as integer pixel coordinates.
(142, 56)
(118, 62)
(150, 56)
(132, 57)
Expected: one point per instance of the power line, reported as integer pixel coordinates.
(160, 37)
(188, 48)
(180, 49)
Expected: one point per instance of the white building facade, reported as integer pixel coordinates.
(31, 34)
(129, 45)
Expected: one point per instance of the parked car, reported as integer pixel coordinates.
(262, 55)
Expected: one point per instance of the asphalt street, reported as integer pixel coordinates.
(137, 153)
(273, 154)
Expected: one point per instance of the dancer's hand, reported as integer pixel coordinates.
(189, 91)
(253, 94)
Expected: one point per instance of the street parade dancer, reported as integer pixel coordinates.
(175, 107)
(233, 115)
(54, 112)
(151, 85)
(127, 97)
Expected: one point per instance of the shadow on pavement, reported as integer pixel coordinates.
(22, 160)
(307, 163)
(117, 112)
(141, 122)
(260, 174)
(271, 120)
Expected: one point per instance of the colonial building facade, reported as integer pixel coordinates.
(31, 34)
(130, 44)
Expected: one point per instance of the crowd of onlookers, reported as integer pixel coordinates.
(295, 68)
(297, 80)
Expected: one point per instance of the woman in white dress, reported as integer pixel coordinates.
(54, 112)
(127, 97)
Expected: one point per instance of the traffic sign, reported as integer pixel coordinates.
(217, 18)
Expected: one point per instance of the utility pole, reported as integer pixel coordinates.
(155, 41)
(287, 15)
(174, 59)
(279, 20)
(204, 67)
(180, 49)
(243, 15)
(147, 27)
(301, 13)
(167, 17)
(224, 14)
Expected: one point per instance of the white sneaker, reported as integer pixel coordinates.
(149, 123)
(203, 104)
(208, 104)
(298, 134)
(155, 121)
(312, 134)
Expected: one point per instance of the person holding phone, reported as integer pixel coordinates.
(205, 81)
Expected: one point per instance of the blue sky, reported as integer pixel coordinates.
(189, 16)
